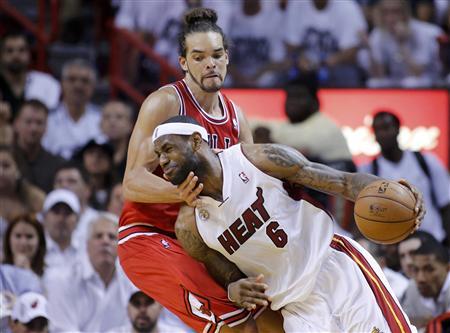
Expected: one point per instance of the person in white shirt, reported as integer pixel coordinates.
(60, 218)
(319, 280)
(76, 120)
(92, 297)
(326, 36)
(422, 169)
(428, 294)
(258, 51)
(71, 176)
(403, 51)
(17, 82)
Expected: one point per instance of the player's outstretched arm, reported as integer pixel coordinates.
(288, 164)
(140, 185)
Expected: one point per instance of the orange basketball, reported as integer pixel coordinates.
(384, 212)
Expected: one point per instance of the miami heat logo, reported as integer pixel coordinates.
(199, 307)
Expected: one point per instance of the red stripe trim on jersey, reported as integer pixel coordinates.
(142, 228)
(182, 107)
(216, 121)
(388, 306)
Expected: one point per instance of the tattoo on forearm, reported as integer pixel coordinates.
(220, 268)
(279, 156)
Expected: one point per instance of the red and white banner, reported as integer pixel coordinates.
(424, 115)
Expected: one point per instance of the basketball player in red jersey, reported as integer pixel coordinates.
(149, 253)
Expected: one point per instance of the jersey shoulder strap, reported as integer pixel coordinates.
(424, 166)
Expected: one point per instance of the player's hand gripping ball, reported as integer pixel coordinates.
(386, 212)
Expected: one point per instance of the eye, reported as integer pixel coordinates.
(217, 56)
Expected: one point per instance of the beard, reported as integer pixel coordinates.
(16, 67)
(211, 89)
(181, 174)
(146, 327)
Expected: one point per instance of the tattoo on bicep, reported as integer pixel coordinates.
(192, 244)
(279, 156)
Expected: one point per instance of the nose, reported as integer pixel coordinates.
(163, 160)
(210, 63)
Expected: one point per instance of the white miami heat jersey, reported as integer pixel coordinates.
(260, 228)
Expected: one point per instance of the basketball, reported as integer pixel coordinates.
(384, 212)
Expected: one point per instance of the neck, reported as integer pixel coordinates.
(209, 101)
(15, 80)
(62, 243)
(97, 181)
(75, 110)
(106, 272)
(120, 149)
(210, 175)
(31, 150)
(394, 155)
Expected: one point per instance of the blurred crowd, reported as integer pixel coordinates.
(63, 150)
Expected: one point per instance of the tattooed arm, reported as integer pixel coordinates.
(288, 164)
(220, 268)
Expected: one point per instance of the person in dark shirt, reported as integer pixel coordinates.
(36, 164)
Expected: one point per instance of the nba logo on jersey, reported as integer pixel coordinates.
(244, 177)
(165, 243)
(235, 123)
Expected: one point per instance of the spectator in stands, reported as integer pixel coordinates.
(97, 160)
(14, 281)
(76, 120)
(116, 124)
(17, 83)
(428, 294)
(24, 244)
(17, 196)
(73, 177)
(143, 314)
(36, 164)
(6, 129)
(116, 200)
(407, 246)
(323, 38)
(396, 280)
(60, 218)
(30, 314)
(321, 140)
(93, 296)
(404, 52)
(257, 48)
(423, 170)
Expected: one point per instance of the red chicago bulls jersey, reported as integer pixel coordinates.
(223, 132)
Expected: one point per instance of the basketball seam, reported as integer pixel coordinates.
(396, 221)
(380, 196)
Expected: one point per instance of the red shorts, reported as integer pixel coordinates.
(159, 266)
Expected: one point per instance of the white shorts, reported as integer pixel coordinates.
(351, 294)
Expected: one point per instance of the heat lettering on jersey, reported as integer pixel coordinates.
(213, 140)
(246, 226)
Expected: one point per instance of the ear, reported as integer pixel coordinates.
(227, 58)
(196, 140)
(183, 63)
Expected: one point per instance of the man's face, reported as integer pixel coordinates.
(176, 157)
(60, 222)
(386, 132)
(405, 248)
(78, 85)
(15, 55)
(391, 13)
(71, 179)
(96, 161)
(206, 60)
(102, 243)
(429, 274)
(116, 121)
(30, 125)
(143, 313)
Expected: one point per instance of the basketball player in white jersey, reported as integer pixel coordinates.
(319, 280)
